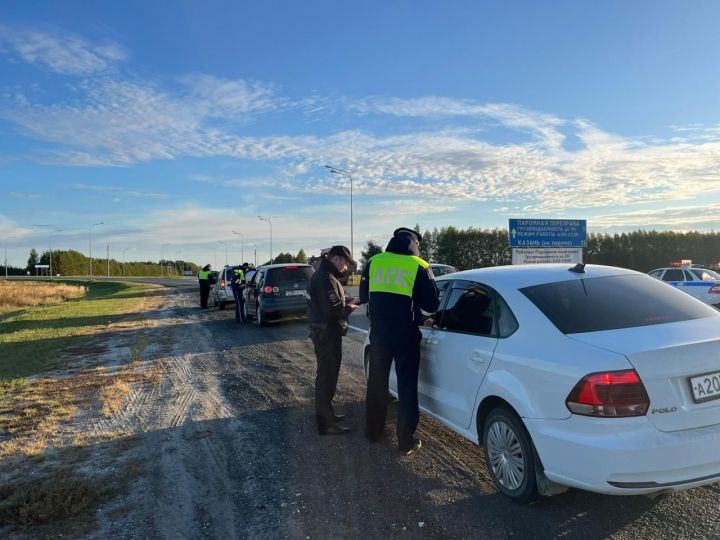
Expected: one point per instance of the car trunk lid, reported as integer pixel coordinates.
(667, 357)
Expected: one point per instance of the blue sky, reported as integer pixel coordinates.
(179, 122)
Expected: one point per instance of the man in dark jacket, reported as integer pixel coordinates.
(397, 284)
(205, 280)
(328, 311)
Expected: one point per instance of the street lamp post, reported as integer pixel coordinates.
(162, 266)
(226, 252)
(261, 218)
(50, 248)
(341, 172)
(90, 244)
(123, 253)
(175, 258)
(242, 246)
(6, 270)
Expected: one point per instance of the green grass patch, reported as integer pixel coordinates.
(30, 341)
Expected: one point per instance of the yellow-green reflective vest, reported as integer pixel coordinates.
(240, 274)
(204, 274)
(393, 273)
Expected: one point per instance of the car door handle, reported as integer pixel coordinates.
(478, 357)
(431, 341)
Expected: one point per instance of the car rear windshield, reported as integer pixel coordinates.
(609, 303)
(288, 276)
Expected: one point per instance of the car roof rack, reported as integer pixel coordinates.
(579, 268)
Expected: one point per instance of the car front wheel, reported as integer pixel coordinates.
(509, 455)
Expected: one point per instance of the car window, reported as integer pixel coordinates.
(442, 287)
(468, 310)
(673, 274)
(260, 278)
(655, 273)
(289, 276)
(506, 322)
(688, 275)
(706, 275)
(613, 302)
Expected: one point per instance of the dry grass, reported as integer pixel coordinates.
(113, 396)
(31, 412)
(61, 495)
(19, 294)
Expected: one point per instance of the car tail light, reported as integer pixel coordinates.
(222, 283)
(715, 289)
(611, 394)
(267, 289)
(291, 267)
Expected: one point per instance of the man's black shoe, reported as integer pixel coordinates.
(338, 417)
(416, 445)
(335, 429)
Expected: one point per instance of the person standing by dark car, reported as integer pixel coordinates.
(238, 284)
(205, 279)
(397, 285)
(328, 311)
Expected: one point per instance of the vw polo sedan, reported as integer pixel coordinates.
(595, 377)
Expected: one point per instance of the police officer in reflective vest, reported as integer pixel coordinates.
(397, 284)
(237, 284)
(204, 277)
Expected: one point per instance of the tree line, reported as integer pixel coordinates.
(74, 263)
(639, 250)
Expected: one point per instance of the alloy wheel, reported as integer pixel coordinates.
(505, 455)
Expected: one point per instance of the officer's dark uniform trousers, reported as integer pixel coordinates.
(239, 303)
(400, 342)
(204, 292)
(327, 343)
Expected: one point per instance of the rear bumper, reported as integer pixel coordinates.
(625, 456)
(276, 308)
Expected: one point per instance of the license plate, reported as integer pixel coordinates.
(706, 387)
(294, 293)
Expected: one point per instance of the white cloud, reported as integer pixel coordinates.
(116, 191)
(25, 196)
(687, 217)
(61, 52)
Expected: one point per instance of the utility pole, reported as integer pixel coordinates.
(108, 260)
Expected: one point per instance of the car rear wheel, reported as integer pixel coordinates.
(509, 455)
(221, 305)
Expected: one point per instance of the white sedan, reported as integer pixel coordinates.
(595, 377)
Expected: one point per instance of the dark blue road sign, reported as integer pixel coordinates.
(547, 233)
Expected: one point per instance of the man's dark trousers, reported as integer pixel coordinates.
(239, 304)
(204, 292)
(388, 342)
(328, 350)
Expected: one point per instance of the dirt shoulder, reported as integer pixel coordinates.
(217, 440)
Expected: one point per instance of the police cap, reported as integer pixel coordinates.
(410, 232)
(342, 251)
